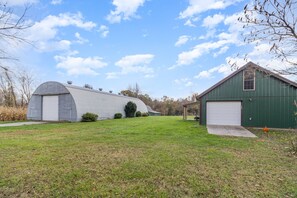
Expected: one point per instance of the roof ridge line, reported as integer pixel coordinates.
(249, 64)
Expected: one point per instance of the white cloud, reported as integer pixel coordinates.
(61, 45)
(199, 6)
(184, 82)
(224, 39)
(221, 51)
(56, 2)
(103, 30)
(182, 40)
(190, 23)
(203, 74)
(20, 2)
(44, 33)
(212, 21)
(210, 34)
(180, 81)
(232, 21)
(136, 64)
(222, 69)
(80, 40)
(149, 76)
(232, 31)
(188, 57)
(71, 53)
(125, 9)
(189, 84)
(259, 55)
(260, 49)
(111, 75)
(75, 66)
(48, 27)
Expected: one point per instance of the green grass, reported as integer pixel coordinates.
(142, 157)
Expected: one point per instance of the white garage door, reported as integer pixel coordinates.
(223, 113)
(50, 108)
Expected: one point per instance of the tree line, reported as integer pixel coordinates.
(166, 105)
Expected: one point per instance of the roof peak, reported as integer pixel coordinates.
(249, 64)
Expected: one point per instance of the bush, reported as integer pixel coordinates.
(138, 114)
(118, 116)
(130, 109)
(89, 117)
(197, 118)
(12, 113)
(145, 114)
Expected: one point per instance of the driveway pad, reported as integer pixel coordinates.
(20, 124)
(238, 131)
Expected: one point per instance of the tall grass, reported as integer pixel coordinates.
(12, 113)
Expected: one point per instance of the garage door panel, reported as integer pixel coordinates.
(223, 113)
(50, 108)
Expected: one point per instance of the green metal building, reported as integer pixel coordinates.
(252, 97)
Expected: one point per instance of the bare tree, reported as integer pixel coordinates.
(273, 22)
(7, 88)
(16, 87)
(11, 28)
(132, 91)
(136, 90)
(25, 86)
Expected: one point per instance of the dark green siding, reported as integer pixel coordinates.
(271, 104)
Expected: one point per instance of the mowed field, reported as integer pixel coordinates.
(143, 157)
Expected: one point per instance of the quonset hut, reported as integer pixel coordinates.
(54, 101)
(152, 112)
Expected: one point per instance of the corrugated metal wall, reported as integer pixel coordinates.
(75, 101)
(67, 107)
(271, 104)
(103, 104)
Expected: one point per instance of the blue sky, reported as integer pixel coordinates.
(173, 48)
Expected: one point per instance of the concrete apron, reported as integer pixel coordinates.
(20, 124)
(237, 131)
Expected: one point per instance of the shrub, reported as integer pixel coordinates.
(196, 118)
(89, 117)
(118, 116)
(12, 113)
(130, 109)
(138, 114)
(145, 114)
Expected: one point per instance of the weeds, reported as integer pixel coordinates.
(293, 145)
(12, 113)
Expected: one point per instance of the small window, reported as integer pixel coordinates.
(249, 79)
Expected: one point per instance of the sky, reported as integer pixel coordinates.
(169, 48)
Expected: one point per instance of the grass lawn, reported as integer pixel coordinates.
(147, 157)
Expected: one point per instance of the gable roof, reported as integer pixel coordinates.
(252, 65)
